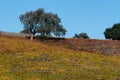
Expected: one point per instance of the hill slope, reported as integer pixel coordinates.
(89, 45)
(21, 59)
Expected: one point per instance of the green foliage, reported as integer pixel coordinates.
(60, 31)
(81, 35)
(108, 34)
(113, 33)
(43, 23)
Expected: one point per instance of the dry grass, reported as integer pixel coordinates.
(25, 60)
(89, 45)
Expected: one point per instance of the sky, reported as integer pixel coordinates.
(89, 16)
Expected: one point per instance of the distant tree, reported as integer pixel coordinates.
(60, 31)
(51, 24)
(43, 23)
(81, 35)
(31, 21)
(113, 33)
(108, 33)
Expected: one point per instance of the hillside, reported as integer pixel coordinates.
(21, 59)
(2, 33)
(89, 45)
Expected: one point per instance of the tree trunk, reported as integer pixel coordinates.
(31, 37)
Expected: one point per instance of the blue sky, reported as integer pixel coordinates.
(90, 16)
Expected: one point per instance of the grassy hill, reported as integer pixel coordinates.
(21, 59)
(89, 45)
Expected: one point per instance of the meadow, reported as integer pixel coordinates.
(21, 59)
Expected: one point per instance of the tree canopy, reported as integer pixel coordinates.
(113, 33)
(81, 35)
(45, 24)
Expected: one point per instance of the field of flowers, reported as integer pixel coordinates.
(22, 59)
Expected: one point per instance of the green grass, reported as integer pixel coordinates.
(25, 60)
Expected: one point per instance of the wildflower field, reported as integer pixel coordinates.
(22, 59)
